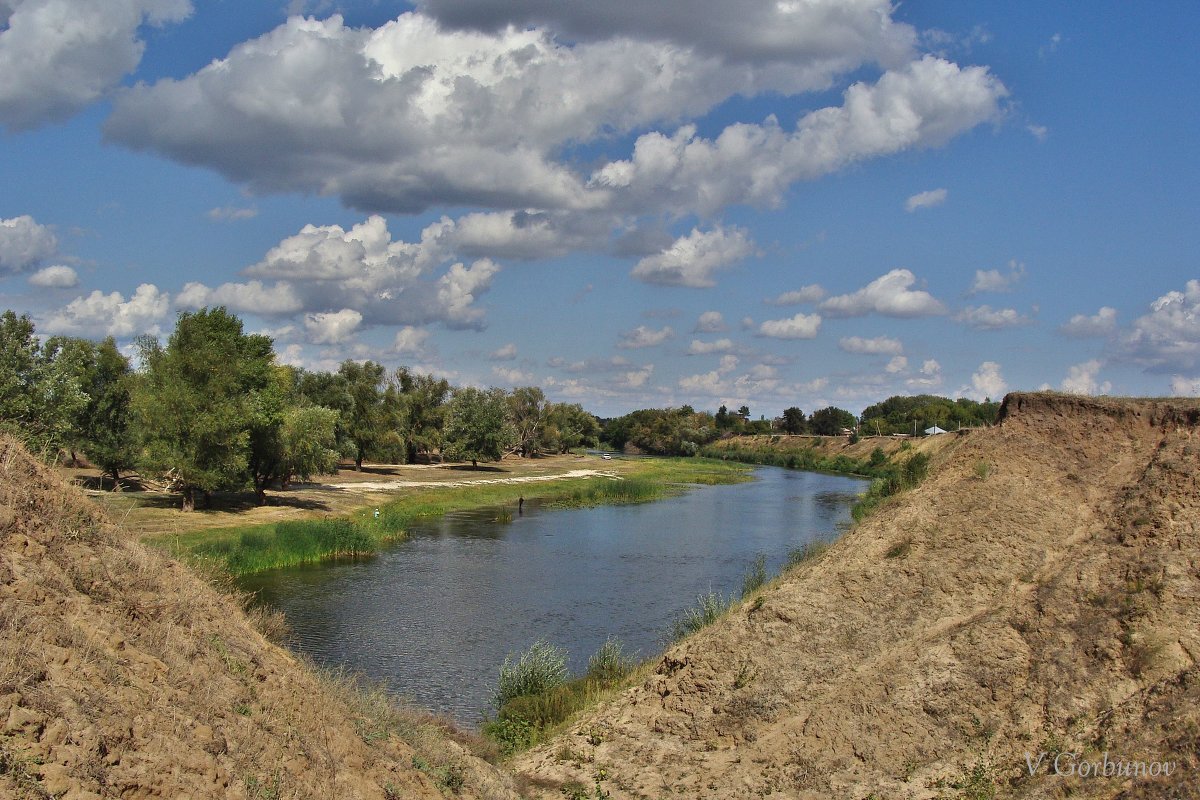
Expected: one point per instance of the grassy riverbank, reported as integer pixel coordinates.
(244, 549)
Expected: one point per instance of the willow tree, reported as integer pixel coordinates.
(477, 426)
(199, 399)
(365, 419)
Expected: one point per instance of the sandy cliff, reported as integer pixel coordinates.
(124, 675)
(1040, 592)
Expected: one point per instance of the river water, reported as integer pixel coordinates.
(434, 615)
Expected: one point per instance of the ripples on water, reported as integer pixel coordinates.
(435, 615)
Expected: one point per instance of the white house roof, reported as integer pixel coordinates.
(933, 430)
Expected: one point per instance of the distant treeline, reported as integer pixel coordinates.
(685, 431)
(213, 410)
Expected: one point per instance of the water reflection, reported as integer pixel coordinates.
(435, 615)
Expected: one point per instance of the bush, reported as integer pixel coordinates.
(609, 664)
(539, 669)
(915, 469)
(512, 734)
(756, 577)
(544, 710)
(709, 607)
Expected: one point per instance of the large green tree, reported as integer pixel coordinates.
(793, 420)
(425, 398)
(527, 410)
(365, 419)
(40, 393)
(477, 426)
(568, 426)
(200, 398)
(831, 420)
(104, 428)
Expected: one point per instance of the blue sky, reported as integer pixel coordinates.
(628, 204)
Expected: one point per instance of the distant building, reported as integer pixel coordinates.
(934, 431)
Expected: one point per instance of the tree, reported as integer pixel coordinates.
(199, 399)
(307, 438)
(527, 410)
(330, 390)
(793, 420)
(723, 420)
(830, 421)
(106, 426)
(568, 426)
(40, 395)
(289, 436)
(425, 405)
(364, 421)
(477, 426)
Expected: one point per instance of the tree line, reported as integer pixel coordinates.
(211, 409)
(684, 431)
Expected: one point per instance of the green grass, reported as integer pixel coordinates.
(253, 548)
(805, 552)
(708, 609)
(245, 549)
(535, 696)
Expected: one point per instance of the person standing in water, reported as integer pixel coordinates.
(520, 505)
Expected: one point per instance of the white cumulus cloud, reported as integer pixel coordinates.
(699, 348)
(889, 295)
(693, 259)
(930, 377)
(409, 340)
(419, 113)
(511, 376)
(806, 294)
(1082, 379)
(929, 199)
(24, 243)
(506, 353)
(801, 326)
(1168, 337)
(924, 104)
(880, 345)
(986, 318)
(1102, 323)
(710, 322)
(101, 314)
(993, 280)
(55, 277)
(987, 382)
(58, 56)
(251, 297)
(332, 327)
(643, 336)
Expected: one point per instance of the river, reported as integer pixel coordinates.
(434, 615)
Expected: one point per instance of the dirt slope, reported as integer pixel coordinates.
(1039, 592)
(124, 675)
(832, 446)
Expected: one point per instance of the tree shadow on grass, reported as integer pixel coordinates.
(469, 468)
(231, 502)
